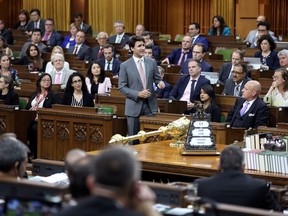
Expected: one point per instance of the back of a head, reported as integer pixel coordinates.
(232, 158)
(116, 168)
(72, 157)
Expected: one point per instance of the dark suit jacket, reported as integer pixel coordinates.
(115, 66)
(84, 53)
(156, 51)
(257, 115)
(224, 72)
(124, 41)
(230, 86)
(97, 206)
(181, 84)
(30, 26)
(51, 98)
(175, 55)
(11, 98)
(237, 188)
(204, 67)
(55, 39)
(87, 29)
(272, 60)
(7, 34)
(203, 40)
(94, 53)
(87, 99)
(164, 93)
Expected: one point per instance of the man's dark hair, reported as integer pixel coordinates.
(78, 15)
(36, 30)
(108, 46)
(35, 10)
(197, 25)
(232, 157)
(134, 39)
(147, 33)
(264, 24)
(200, 45)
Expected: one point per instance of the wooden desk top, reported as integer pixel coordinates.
(159, 157)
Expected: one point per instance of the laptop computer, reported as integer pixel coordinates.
(212, 76)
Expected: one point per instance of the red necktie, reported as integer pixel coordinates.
(100, 53)
(75, 50)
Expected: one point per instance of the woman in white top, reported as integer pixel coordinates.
(49, 66)
(96, 81)
(278, 92)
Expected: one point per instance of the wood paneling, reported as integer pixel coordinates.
(9, 11)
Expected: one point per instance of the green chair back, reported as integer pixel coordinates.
(227, 53)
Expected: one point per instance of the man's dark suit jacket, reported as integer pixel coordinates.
(272, 60)
(257, 115)
(237, 188)
(175, 55)
(115, 66)
(7, 34)
(181, 84)
(204, 67)
(124, 41)
(30, 26)
(224, 72)
(55, 39)
(230, 86)
(94, 53)
(203, 40)
(87, 29)
(84, 53)
(164, 93)
(156, 51)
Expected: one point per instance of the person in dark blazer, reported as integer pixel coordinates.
(120, 37)
(76, 92)
(78, 20)
(234, 85)
(179, 55)
(163, 93)
(80, 49)
(6, 33)
(35, 22)
(137, 85)
(226, 69)
(249, 110)
(232, 186)
(149, 42)
(267, 55)
(7, 93)
(51, 37)
(198, 52)
(98, 51)
(109, 63)
(194, 31)
(183, 89)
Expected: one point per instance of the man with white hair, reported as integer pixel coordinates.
(120, 37)
(98, 51)
(283, 58)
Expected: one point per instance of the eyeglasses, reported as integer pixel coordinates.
(49, 24)
(58, 60)
(236, 72)
(235, 59)
(45, 80)
(262, 30)
(77, 81)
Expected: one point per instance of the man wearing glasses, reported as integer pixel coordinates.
(51, 37)
(98, 51)
(234, 85)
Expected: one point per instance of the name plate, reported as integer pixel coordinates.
(198, 124)
(199, 141)
(201, 132)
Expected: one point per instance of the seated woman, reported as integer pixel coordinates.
(7, 93)
(69, 40)
(33, 59)
(278, 92)
(49, 66)
(5, 69)
(23, 17)
(76, 93)
(96, 81)
(42, 97)
(4, 49)
(207, 97)
(219, 27)
(268, 56)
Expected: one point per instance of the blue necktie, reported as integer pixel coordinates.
(244, 108)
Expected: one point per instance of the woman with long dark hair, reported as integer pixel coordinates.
(219, 27)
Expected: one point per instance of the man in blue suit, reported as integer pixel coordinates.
(109, 63)
(198, 54)
(80, 49)
(51, 37)
(194, 31)
(149, 42)
(188, 87)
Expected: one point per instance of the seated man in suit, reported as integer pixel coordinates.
(109, 63)
(80, 49)
(35, 22)
(233, 186)
(249, 110)
(6, 33)
(61, 74)
(283, 58)
(188, 87)
(120, 37)
(179, 55)
(198, 52)
(162, 93)
(263, 29)
(97, 51)
(194, 31)
(139, 30)
(13, 156)
(149, 42)
(51, 37)
(79, 22)
(234, 85)
(226, 69)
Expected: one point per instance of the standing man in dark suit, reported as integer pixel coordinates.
(249, 110)
(120, 37)
(194, 31)
(35, 22)
(136, 78)
(109, 63)
(226, 69)
(234, 85)
(149, 42)
(51, 37)
(78, 20)
(188, 87)
(233, 186)
(6, 33)
(80, 49)
(97, 51)
(198, 52)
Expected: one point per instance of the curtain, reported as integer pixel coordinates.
(103, 14)
(59, 10)
(279, 17)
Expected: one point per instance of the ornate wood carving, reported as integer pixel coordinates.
(62, 131)
(96, 136)
(3, 126)
(80, 134)
(47, 129)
